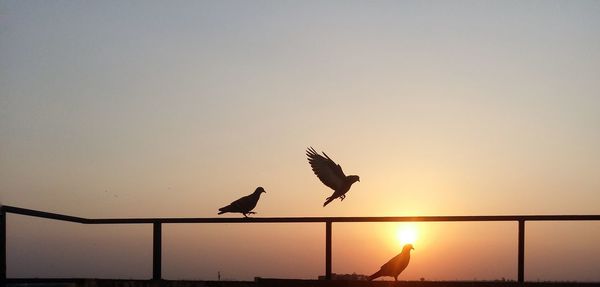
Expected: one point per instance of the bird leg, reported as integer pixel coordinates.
(342, 197)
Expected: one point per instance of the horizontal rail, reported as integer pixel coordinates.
(157, 229)
(35, 213)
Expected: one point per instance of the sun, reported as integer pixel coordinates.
(406, 233)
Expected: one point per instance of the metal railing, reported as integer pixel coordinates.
(158, 222)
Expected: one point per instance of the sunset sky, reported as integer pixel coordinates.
(177, 108)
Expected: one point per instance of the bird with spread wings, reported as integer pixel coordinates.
(245, 204)
(331, 174)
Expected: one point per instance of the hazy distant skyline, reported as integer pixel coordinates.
(174, 109)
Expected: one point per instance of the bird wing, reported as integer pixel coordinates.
(391, 262)
(330, 173)
(396, 264)
(245, 203)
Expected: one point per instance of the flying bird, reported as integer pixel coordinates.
(396, 265)
(331, 174)
(245, 204)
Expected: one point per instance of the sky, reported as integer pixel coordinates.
(176, 108)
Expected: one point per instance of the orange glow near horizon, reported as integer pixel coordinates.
(407, 233)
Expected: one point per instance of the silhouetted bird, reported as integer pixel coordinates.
(245, 204)
(331, 174)
(396, 265)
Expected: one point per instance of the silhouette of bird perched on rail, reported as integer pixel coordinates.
(245, 204)
(331, 174)
(396, 265)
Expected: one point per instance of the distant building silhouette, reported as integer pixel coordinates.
(353, 276)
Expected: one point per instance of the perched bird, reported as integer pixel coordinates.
(331, 174)
(245, 204)
(396, 265)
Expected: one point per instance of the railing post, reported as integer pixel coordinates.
(521, 258)
(157, 251)
(328, 250)
(2, 246)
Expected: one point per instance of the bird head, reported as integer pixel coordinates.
(354, 178)
(408, 247)
(260, 190)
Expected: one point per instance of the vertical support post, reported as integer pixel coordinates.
(157, 251)
(2, 246)
(521, 270)
(328, 250)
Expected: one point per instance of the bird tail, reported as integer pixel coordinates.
(224, 209)
(375, 275)
(329, 199)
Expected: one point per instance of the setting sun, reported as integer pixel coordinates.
(406, 233)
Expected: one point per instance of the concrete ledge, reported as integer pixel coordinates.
(274, 282)
(268, 282)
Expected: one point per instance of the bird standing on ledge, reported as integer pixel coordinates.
(331, 174)
(396, 265)
(245, 204)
